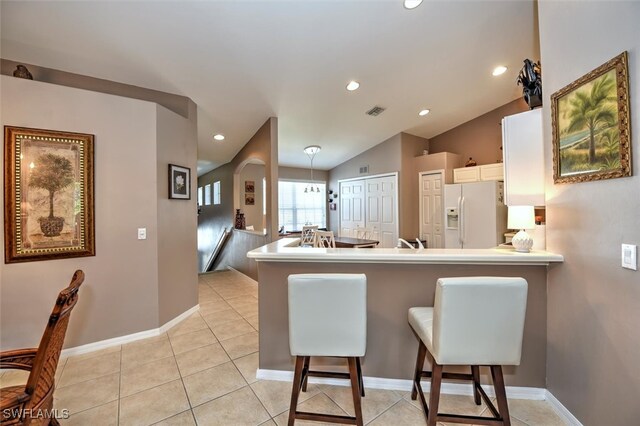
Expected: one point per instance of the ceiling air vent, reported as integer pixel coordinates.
(364, 169)
(375, 111)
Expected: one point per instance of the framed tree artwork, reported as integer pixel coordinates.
(591, 125)
(48, 194)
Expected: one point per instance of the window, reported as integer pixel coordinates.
(207, 195)
(216, 192)
(200, 199)
(297, 208)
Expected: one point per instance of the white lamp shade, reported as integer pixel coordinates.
(521, 217)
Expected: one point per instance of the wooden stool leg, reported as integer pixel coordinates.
(295, 391)
(422, 353)
(434, 394)
(355, 391)
(305, 368)
(475, 372)
(501, 394)
(360, 381)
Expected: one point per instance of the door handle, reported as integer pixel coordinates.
(459, 221)
(462, 222)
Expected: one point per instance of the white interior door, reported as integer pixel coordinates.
(381, 213)
(351, 202)
(431, 209)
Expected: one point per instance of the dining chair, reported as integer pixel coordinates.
(32, 404)
(324, 239)
(307, 237)
(364, 233)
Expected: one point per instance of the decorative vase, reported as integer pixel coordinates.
(240, 222)
(530, 78)
(51, 226)
(22, 72)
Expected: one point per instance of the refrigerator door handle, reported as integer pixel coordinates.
(459, 222)
(462, 218)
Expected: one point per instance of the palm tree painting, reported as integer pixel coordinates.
(590, 125)
(586, 115)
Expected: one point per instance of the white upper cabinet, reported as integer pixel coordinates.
(478, 173)
(523, 153)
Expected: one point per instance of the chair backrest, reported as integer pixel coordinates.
(363, 233)
(308, 235)
(41, 379)
(479, 320)
(324, 239)
(328, 314)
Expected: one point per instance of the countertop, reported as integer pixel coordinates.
(287, 250)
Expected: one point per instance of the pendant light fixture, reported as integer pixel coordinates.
(311, 152)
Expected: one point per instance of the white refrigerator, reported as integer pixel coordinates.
(475, 215)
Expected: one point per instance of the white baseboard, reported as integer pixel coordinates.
(103, 344)
(516, 392)
(562, 411)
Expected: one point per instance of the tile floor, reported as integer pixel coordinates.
(203, 372)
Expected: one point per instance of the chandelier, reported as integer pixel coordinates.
(311, 152)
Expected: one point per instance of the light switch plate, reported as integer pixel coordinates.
(142, 233)
(630, 256)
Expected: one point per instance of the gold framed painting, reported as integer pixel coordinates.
(591, 125)
(48, 195)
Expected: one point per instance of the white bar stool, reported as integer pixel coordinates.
(327, 317)
(476, 321)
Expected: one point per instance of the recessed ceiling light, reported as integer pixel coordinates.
(499, 70)
(411, 4)
(424, 112)
(218, 137)
(353, 85)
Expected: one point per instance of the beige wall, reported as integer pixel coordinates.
(391, 290)
(253, 214)
(177, 219)
(262, 146)
(121, 291)
(411, 147)
(385, 157)
(296, 173)
(593, 310)
(480, 138)
(395, 154)
(176, 103)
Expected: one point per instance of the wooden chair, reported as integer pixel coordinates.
(324, 239)
(308, 235)
(364, 233)
(32, 404)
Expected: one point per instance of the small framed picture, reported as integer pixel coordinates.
(179, 182)
(250, 186)
(249, 199)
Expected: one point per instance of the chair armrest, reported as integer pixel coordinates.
(20, 359)
(12, 402)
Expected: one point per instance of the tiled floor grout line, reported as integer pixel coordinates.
(119, 388)
(182, 381)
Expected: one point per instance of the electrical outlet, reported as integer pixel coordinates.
(142, 233)
(629, 256)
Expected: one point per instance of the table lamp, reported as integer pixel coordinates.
(521, 217)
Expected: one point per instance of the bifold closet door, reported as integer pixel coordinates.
(381, 212)
(352, 207)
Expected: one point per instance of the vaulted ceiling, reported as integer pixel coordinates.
(244, 61)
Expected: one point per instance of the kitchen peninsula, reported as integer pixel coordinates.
(397, 279)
